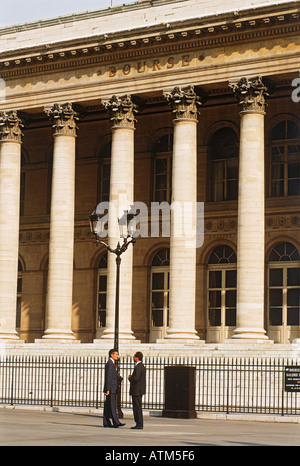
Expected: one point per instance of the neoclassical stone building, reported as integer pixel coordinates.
(155, 101)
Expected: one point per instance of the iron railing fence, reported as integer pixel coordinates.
(227, 385)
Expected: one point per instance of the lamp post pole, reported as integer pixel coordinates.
(95, 219)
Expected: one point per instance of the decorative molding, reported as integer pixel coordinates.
(215, 228)
(64, 118)
(251, 93)
(122, 111)
(100, 50)
(184, 102)
(11, 126)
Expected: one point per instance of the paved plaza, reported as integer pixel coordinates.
(35, 427)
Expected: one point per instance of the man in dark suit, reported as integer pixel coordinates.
(137, 389)
(110, 389)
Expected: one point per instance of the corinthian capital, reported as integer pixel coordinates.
(64, 118)
(251, 93)
(122, 110)
(184, 102)
(10, 126)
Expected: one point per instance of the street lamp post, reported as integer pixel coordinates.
(97, 225)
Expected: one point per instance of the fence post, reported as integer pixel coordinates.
(12, 382)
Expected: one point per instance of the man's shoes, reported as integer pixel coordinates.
(136, 427)
(115, 426)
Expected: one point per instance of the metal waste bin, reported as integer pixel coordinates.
(179, 392)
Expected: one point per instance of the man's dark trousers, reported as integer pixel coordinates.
(137, 409)
(110, 409)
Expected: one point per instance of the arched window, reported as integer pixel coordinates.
(101, 294)
(19, 297)
(162, 168)
(223, 166)
(284, 292)
(104, 173)
(285, 159)
(159, 294)
(221, 305)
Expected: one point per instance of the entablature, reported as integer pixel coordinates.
(193, 34)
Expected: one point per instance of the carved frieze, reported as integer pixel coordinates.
(11, 126)
(251, 93)
(122, 110)
(184, 102)
(64, 118)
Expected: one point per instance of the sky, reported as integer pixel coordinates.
(21, 11)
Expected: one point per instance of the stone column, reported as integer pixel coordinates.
(183, 216)
(10, 172)
(61, 246)
(122, 111)
(251, 211)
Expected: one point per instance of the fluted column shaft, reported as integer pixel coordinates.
(61, 246)
(251, 211)
(122, 111)
(10, 171)
(183, 216)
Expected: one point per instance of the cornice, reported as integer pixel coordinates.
(133, 45)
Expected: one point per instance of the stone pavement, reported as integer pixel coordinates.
(36, 427)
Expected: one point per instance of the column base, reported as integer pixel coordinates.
(177, 335)
(109, 334)
(54, 334)
(245, 333)
(12, 336)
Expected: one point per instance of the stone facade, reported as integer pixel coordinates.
(160, 103)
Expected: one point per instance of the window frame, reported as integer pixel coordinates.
(283, 265)
(284, 178)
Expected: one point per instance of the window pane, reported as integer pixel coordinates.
(293, 187)
(293, 170)
(101, 319)
(214, 317)
(106, 170)
(215, 279)
(232, 169)
(218, 177)
(19, 287)
(293, 316)
(276, 277)
(103, 262)
(279, 131)
(157, 318)
(102, 283)
(230, 298)
(230, 317)
(277, 188)
(230, 278)
(157, 281)
(215, 299)
(18, 313)
(275, 316)
(161, 165)
(162, 258)
(160, 195)
(102, 301)
(222, 255)
(293, 277)
(278, 154)
(158, 300)
(277, 172)
(232, 190)
(275, 297)
(293, 297)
